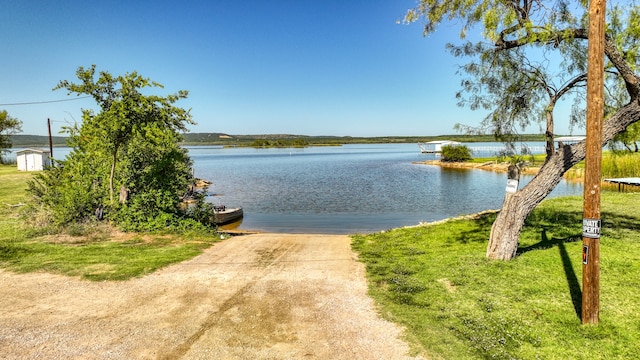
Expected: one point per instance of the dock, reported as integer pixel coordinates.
(435, 147)
(633, 181)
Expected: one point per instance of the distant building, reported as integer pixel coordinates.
(33, 159)
(569, 140)
(435, 146)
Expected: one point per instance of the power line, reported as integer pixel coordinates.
(45, 102)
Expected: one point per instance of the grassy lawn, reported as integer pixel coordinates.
(456, 304)
(92, 252)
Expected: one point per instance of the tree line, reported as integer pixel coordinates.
(219, 139)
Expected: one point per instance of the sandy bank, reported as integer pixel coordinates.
(490, 166)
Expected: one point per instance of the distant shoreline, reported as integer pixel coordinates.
(572, 175)
(193, 139)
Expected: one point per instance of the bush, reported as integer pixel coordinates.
(455, 153)
(64, 198)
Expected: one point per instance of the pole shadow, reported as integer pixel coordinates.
(572, 279)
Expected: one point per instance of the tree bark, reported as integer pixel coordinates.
(112, 175)
(549, 131)
(505, 232)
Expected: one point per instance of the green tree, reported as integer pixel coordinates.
(125, 111)
(537, 29)
(8, 126)
(517, 90)
(629, 139)
(132, 144)
(259, 143)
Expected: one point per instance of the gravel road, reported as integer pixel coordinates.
(260, 296)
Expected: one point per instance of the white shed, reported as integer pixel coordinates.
(33, 159)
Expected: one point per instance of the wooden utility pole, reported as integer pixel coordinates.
(50, 140)
(591, 222)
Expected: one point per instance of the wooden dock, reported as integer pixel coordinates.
(634, 181)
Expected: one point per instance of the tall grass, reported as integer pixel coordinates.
(617, 164)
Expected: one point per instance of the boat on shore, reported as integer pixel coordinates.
(224, 215)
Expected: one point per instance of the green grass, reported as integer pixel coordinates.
(12, 193)
(13, 184)
(89, 252)
(457, 305)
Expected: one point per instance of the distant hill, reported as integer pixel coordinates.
(239, 140)
(21, 141)
(246, 140)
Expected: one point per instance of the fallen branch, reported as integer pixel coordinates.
(16, 205)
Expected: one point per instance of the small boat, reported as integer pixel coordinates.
(223, 215)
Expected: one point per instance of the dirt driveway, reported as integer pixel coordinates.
(261, 296)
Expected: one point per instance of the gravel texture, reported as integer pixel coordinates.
(260, 296)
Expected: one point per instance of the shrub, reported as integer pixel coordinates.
(455, 153)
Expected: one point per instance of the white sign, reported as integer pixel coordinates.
(585, 254)
(512, 186)
(591, 228)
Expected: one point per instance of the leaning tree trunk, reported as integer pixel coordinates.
(111, 176)
(505, 232)
(548, 135)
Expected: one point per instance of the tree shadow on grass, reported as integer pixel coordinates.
(620, 221)
(479, 231)
(572, 279)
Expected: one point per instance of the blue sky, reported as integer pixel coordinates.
(309, 67)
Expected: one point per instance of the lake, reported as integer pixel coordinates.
(346, 189)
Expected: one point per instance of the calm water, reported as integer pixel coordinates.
(347, 189)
